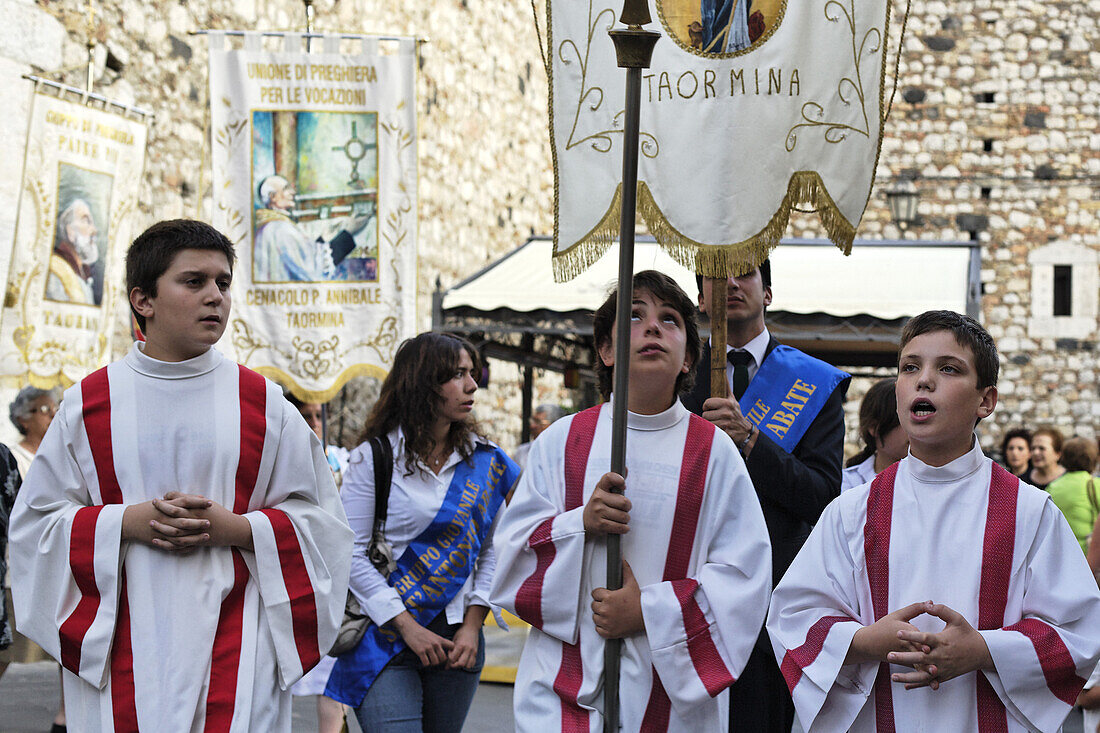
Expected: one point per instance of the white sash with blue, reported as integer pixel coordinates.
(787, 393)
(433, 568)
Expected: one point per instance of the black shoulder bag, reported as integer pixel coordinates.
(379, 551)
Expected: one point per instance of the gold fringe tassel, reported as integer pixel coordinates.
(710, 260)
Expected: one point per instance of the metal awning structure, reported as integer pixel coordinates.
(846, 310)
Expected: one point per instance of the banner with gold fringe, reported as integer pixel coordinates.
(65, 299)
(751, 108)
(315, 182)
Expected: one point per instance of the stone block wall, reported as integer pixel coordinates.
(995, 121)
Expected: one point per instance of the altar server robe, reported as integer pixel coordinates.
(697, 545)
(1000, 555)
(205, 641)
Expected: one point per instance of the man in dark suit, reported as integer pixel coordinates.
(794, 482)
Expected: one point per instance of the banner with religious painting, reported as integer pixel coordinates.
(77, 208)
(315, 182)
(750, 108)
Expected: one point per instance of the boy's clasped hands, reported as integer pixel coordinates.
(934, 657)
(179, 522)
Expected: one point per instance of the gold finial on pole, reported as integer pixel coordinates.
(309, 15)
(635, 14)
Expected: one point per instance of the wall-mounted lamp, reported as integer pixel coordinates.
(903, 199)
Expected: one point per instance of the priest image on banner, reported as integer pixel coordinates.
(729, 25)
(283, 252)
(75, 251)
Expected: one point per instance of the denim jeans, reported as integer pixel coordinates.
(408, 697)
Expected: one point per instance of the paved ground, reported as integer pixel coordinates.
(28, 696)
(29, 693)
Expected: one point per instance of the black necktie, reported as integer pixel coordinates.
(740, 361)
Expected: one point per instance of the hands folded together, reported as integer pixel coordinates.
(934, 658)
(181, 522)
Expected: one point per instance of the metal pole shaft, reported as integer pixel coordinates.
(613, 647)
(633, 50)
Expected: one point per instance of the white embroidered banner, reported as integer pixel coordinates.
(750, 108)
(66, 276)
(315, 181)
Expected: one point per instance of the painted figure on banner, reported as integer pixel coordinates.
(719, 26)
(76, 267)
(317, 197)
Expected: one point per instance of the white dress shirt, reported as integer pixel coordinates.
(858, 474)
(413, 502)
(757, 348)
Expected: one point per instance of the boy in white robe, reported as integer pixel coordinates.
(179, 544)
(944, 595)
(697, 562)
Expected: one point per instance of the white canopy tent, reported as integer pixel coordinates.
(886, 280)
(846, 310)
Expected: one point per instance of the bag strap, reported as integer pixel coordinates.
(382, 452)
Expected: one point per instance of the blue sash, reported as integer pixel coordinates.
(787, 393)
(433, 568)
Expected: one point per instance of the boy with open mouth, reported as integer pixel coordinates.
(945, 594)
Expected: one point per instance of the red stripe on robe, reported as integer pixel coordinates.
(704, 654)
(997, 550)
(226, 654)
(529, 595)
(796, 660)
(123, 697)
(299, 588)
(82, 565)
(876, 552)
(1059, 669)
(95, 396)
(95, 399)
(567, 683)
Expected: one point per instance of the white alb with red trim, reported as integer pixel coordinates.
(697, 545)
(151, 640)
(968, 535)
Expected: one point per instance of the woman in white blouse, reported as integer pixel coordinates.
(418, 665)
(884, 442)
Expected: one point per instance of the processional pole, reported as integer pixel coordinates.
(309, 44)
(309, 24)
(89, 79)
(633, 49)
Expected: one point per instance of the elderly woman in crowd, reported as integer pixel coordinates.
(31, 413)
(1046, 456)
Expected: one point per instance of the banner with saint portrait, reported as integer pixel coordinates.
(750, 108)
(315, 182)
(77, 205)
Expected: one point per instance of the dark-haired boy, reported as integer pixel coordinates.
(696, 556)
(178, 543)
(945, 594)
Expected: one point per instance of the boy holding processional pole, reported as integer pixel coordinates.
(696, 560)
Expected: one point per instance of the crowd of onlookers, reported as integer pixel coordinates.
(1064, 468)
(1045, 459)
